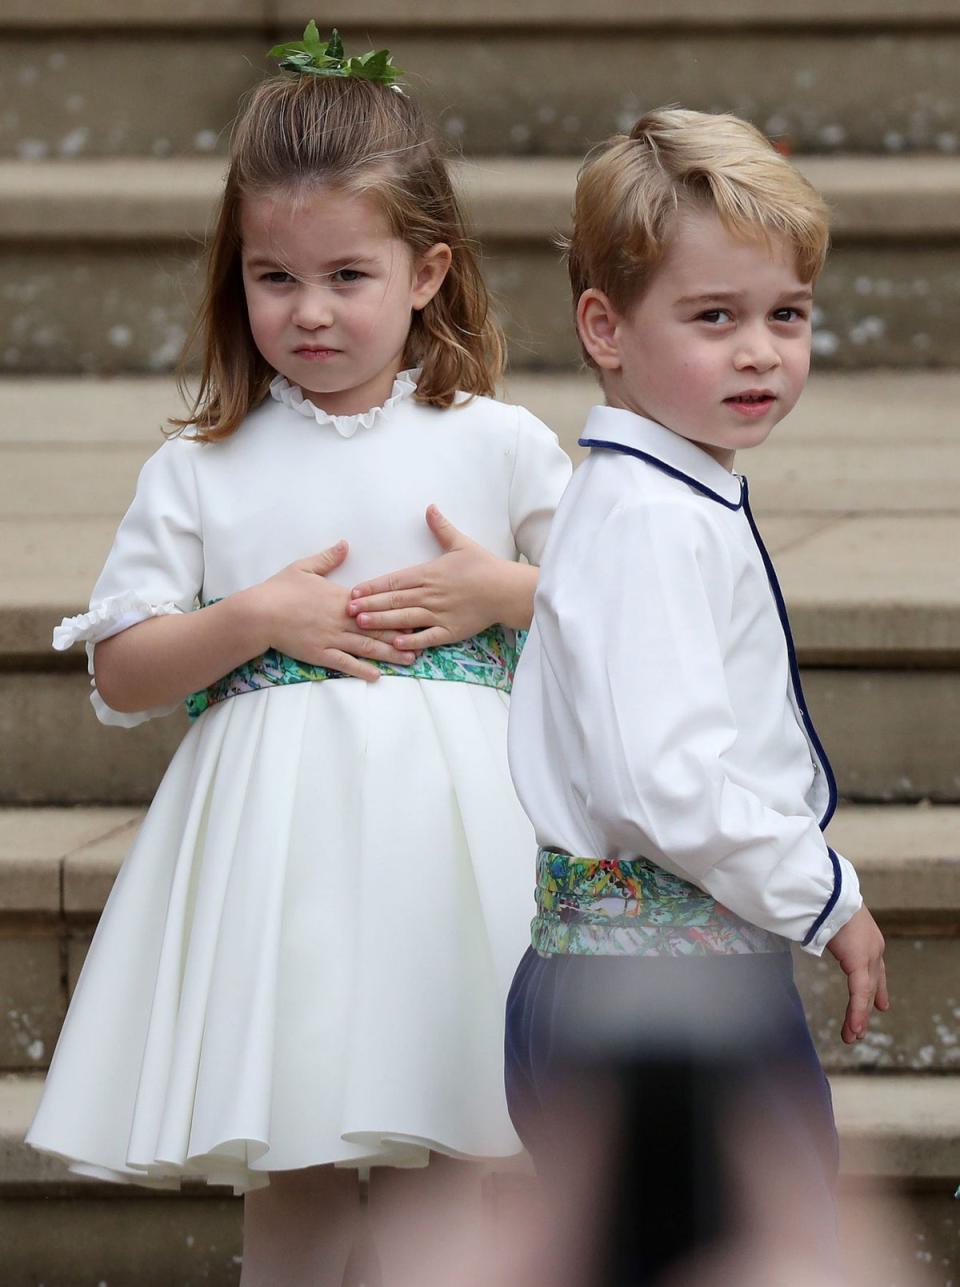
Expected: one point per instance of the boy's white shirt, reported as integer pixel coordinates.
(654, 713)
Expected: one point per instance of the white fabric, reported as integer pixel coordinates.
(108, 618)
(346, 426)
(653, 712)
(306, 955)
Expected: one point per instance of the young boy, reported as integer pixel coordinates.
(659, 738)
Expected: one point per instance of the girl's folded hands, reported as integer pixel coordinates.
(450, 598)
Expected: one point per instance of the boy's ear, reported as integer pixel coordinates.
(597, 321)
(429, 271)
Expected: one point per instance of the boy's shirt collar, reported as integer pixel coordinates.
(612, 427)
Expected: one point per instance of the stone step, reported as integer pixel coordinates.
(64, 1230)
(60, 1230)
(857, 515)
(90, 78)
(857, 511)
(891, 736)
(58, 865)
(908, 860)
(475, 15)
(99, 260)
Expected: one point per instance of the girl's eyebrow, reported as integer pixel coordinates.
(343, 261)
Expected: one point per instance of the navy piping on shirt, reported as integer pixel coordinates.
(664, 469)
(792, 657)
(829, 904)
(811, 732)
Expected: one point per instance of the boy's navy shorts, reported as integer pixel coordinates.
(575, 1022)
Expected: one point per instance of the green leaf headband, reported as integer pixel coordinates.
(311, 57)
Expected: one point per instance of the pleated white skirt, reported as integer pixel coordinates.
(307, 952)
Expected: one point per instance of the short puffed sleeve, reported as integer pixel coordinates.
(541, 471)
(155, 565)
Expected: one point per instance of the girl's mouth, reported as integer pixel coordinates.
(316, 355)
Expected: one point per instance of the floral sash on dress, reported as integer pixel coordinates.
(488, 659)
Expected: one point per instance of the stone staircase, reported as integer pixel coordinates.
(112, 119)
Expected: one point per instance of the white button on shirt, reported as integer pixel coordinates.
(657, 709)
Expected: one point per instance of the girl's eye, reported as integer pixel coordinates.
(789, 315)
(278, 278)
(345, 276)
(715, 316)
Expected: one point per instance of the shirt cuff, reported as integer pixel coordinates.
(844, 902)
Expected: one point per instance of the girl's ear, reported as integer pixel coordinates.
(429, 271)
(597, 324)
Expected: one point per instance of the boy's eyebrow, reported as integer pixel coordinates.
(724, 296)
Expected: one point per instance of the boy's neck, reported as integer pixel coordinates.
(722, 455)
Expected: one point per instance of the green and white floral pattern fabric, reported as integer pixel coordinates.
(488, 659)
(630, 907)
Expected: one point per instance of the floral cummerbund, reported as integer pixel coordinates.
(631, 907)
(488, 659)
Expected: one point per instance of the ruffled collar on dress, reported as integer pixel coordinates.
(346, 426)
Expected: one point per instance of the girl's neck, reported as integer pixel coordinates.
(362, 397)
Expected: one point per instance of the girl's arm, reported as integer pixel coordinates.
(161, 660)
(450, 598)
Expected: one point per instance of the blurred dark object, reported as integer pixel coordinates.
(654, 1093)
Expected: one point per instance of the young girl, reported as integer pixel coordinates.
(305, 958)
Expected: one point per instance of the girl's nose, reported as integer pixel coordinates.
(312, 308)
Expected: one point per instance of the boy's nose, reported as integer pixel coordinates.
(756, 351)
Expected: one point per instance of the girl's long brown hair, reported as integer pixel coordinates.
(300, 132)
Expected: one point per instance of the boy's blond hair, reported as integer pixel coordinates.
(631, 188)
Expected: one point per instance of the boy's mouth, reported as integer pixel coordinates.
(751, 402)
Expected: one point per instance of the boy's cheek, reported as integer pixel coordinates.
(698, 376)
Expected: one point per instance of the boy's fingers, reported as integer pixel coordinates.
(882, 999)
(855, 1024)
(862, 991)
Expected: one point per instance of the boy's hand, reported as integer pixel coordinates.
(858, 948)
(304, 615)
(448, 599)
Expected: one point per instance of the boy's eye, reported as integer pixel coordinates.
(715, 316)
(789, 315)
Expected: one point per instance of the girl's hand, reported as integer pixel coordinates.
(301, 613)
(858, 947)
(451, 598)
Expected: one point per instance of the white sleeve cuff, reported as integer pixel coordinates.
(125, 719)
(844, 902)
(107, 619)
(103, 621)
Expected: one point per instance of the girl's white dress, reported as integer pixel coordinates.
(306, 954)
